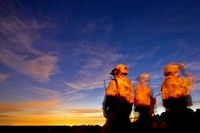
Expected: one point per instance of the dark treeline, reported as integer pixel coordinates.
(190, 119)
(52, 129)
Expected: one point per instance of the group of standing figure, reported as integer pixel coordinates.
(121, 97)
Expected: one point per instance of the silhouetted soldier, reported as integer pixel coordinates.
(176, 93)
(143, 101)
(118, 101)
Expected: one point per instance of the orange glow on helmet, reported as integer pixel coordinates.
(143, 77)
(171, 68)
(122, 68)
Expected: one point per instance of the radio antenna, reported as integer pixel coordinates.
(104, 83)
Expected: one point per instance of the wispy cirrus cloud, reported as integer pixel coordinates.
(36, 100)
(29, 106)
(17, 47)
(96, 63)
(3, 76)
(84, 85)
(40, 68)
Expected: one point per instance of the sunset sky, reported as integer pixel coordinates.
(56, 54)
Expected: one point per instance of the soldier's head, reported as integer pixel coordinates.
(143, 77)
(120, 69)
(171, 69)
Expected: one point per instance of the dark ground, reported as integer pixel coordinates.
(190, 123)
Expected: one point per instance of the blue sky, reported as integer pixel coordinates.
(55, 54)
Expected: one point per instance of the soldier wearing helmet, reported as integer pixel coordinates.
(118, 101)
(176, 91)
(143, 100)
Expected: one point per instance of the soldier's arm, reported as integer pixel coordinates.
(186, 73)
